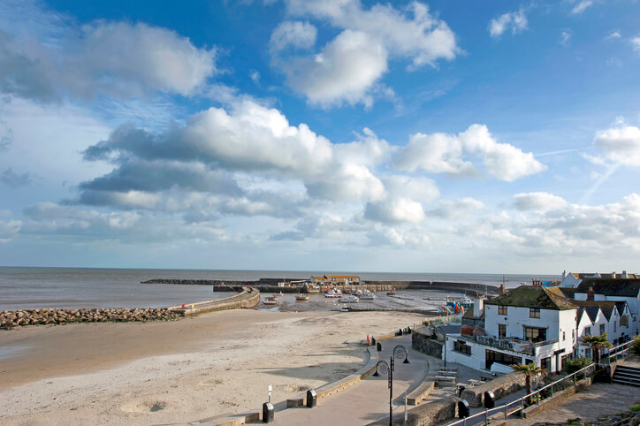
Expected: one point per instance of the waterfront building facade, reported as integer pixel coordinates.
(529, 324)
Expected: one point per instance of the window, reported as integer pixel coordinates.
(502, 310)
(601, 329)
(500, 358)
(624, 321)
(573, 334)
(462, 347)
(587, 331)
(564, 337)
(534, 312)
(614, 326)
(534, 334)
(502, 330)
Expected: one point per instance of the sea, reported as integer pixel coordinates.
(73, 288)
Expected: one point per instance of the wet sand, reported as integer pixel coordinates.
(202, 367)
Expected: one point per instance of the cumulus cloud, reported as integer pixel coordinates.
(8, 229)
(542, 201)
(445, 153)
(455, 209)
(368, 39)
(514, 21)
(301, 35)
(395, 210)
(620, 144)
(567, 229)
(635, 43)
(613, 35)
(343, 71)
(115, 59)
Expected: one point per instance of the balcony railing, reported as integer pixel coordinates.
(512, 344)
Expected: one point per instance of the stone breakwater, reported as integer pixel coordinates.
(12, 319)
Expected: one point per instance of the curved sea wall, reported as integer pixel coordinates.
(271, 285)
(12, 319)
(246, 298)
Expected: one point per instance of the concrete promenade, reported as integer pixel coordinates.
(367, 401)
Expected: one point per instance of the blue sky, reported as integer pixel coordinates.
(443, 136)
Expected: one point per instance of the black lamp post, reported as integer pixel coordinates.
(383, 368)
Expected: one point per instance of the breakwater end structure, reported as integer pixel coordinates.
(12, 319)
(246, 298)
(270, 285)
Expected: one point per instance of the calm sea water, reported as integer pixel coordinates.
(30, 288)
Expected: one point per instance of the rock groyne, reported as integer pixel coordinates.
(12, 319)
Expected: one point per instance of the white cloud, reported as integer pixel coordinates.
(115, 59)
(8, 229)
(541, 201)
(516, 21)
(343, 72)
(395, 210)
(635, 43)
(444, 153)
(301, 35)
(620, 144)
(613, 35)
(565, 37)
(581, 7)
(348, 67)
(455, 209)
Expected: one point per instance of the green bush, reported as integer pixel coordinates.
(635, 346)
(575, 364)
(635, 408)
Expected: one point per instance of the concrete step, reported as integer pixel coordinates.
(627, 376)
(635, 383)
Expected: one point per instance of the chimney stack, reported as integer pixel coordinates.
(591, 295)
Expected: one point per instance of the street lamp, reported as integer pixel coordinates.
(383, 368)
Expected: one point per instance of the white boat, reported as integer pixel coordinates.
(368, 296)
(349, 299)
(333, 294)
(302, 297)
(273, 300)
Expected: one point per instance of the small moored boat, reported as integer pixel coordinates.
(349, 299)
(302, 297)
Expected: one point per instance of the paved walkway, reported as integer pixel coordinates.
(367, 401)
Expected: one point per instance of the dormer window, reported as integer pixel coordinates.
(534, 312)
(502, 310)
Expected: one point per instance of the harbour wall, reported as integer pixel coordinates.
(270, 285)
(246, 298)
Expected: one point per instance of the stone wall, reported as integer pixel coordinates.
(247, 298)
(420, 341)
(501, 387)
(11, 319)
(430, 414)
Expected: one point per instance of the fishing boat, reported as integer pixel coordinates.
(271, 300)
(333, 294)
(312, 288)
(368, 295)
(302, 297)
(349, 299)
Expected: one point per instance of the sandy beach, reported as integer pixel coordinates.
(174, 372)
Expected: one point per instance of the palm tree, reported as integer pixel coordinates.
(529, 371)
(597, 343)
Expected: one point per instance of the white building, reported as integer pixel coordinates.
(615, 290)
(529, 324)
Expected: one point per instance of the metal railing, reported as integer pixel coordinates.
(536, 397)
(619, 352)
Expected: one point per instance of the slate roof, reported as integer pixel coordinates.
(568, 292)
(533, 297)
(620, 306)
(592, 312)
(606, 307)
(621, 287)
